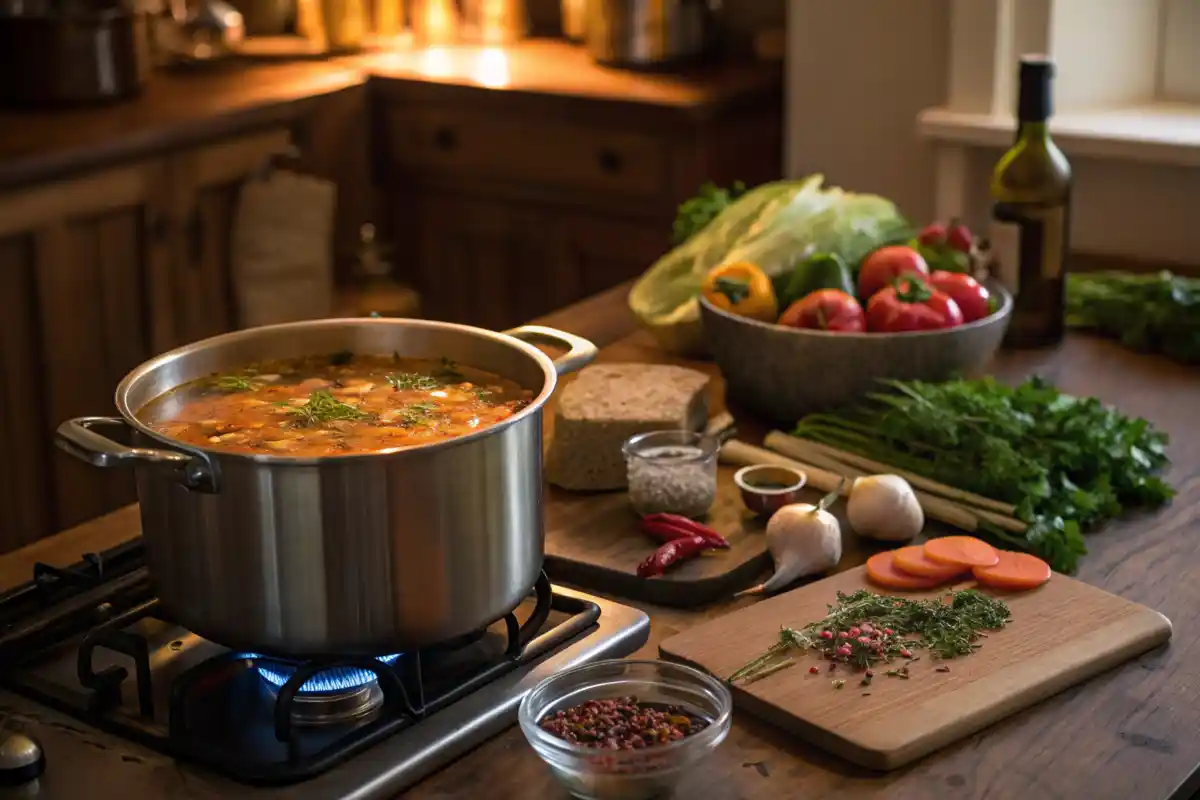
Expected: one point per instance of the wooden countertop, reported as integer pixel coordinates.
(179, 107)
(1131, 733)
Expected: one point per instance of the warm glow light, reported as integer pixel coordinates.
(438, 21)
(435, 62)
(491, 68)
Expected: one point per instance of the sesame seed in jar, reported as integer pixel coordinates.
(673, 479)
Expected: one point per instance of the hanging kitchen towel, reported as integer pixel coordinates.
(282, 248)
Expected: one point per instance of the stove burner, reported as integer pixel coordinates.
(331, 681)
(258, 720)
(337, 694)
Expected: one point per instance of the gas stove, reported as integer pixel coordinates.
(124, 703)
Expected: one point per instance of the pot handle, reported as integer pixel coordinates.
(75, 436)
(580, 352)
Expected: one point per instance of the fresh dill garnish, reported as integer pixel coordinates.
(416, 414)
(324, 407)
(235, 383)
(413, 381)
(341, 358)
(449, 370)
(864, 629)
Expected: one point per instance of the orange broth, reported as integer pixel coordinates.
(334, 405)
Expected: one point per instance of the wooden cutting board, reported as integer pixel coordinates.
(592, 538)
(593, 542)
(1061, 634)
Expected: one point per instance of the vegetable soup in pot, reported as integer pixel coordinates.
(339, 404)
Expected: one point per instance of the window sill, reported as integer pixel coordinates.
(1161, 133)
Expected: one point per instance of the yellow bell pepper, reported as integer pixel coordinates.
(742, 289)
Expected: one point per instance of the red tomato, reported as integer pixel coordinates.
(825, 310)
(959, 237)
(886, 264)
(911, 305)
(971, 296)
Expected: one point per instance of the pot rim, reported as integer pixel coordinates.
(139, 372)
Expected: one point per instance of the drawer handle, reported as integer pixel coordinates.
(445, 138)
(610, 161)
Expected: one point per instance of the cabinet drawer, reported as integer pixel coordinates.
(461, 144)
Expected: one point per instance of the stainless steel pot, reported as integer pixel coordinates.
(357, 554)
(649, 33)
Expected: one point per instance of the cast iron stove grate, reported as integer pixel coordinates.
(241, 715)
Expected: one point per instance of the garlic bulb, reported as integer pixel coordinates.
(886, 508)
(803, 539)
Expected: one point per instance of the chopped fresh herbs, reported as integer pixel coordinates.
(341, 358)
(449, 371)
(324, 407)
(416, 414)
(413, 381)
(1067, 463)
(483, 394)
(864, 629)
(235, 383)
(1156, 313)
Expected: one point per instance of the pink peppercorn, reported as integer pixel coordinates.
(813, 670)
(906, 653)
(864, 640)
(826, 634)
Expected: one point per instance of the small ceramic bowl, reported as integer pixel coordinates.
(766, 488)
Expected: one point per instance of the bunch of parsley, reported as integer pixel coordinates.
(1156, 313)
(1067, 463)
(695, 213)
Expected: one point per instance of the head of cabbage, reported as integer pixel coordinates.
(773, 226)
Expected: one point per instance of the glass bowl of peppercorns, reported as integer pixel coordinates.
(625, 730)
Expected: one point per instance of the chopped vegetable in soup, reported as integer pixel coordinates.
(337, 404)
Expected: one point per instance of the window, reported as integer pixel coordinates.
(1179, 62)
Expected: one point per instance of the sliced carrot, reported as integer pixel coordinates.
(1014, 571)
(912, 559)
(961, 551)
(881, 569)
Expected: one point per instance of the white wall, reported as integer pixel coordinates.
(859, 72)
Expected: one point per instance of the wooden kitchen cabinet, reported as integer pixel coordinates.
(497, 264)
(79, 260)
(205, 182)
(503, 206)
(98, 273)
(472, 261)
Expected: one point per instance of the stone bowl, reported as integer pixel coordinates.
(781, 373)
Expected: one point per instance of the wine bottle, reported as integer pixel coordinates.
(1031, 215)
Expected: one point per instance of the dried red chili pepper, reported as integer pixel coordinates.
(670, 553)
(689, 526)
(664, 532)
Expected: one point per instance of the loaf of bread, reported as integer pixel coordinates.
(608, 403)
